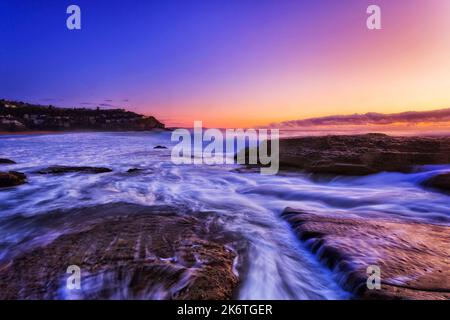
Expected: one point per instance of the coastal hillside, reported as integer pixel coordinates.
(19, 116)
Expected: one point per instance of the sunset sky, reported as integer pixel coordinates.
(228, 63)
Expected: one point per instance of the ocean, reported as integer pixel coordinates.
(247, 203)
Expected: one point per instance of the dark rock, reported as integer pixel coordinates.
(134, 170)
(70, 169)
(441, 181)
(152, 253)
(6, 161)
(413, 257)
(362, 154)
(160, 147)
(343, 169)
(11, 179)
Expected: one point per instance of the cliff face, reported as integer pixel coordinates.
(19, 116)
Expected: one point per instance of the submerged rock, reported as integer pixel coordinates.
(362, 154)
(6, 161)
(125, 251)
(441, 181)
(160, 147)
(71, 169)
(11, 179)
(414, 258)
(134, 170)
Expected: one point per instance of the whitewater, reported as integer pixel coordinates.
(248, 203)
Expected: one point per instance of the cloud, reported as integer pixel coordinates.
(109, 105)
(101, 104)
(371, 118)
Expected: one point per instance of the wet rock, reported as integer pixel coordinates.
(441, 181)
(342, 169)
(134, 170)
(414, 258)
(11, 179)
(362, 154)
(160, 147)
(125, 251)
(6, 161)
(71, 169)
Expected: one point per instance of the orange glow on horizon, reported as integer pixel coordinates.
(403, 67)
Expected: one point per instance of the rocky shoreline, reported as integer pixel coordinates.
(126, 251)
(359, 155)
(413, 258)
(129, 251)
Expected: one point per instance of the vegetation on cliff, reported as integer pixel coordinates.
(20, 116)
